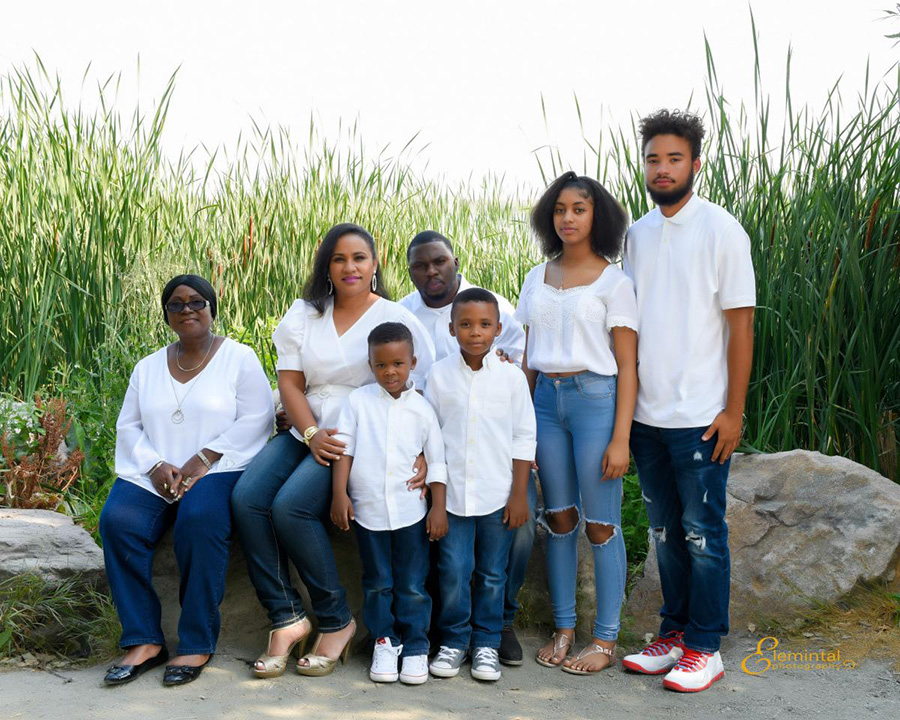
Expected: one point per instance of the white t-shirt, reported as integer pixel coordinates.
(569, 330)
(487, 420)
(384, 437)
(437, 322)
(335, 366)
(227, 408)
(686, 269)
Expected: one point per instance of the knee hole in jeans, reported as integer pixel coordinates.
(599, 533)
(561, 522)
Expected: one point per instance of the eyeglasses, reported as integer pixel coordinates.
(195, 305)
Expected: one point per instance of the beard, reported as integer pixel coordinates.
(673, 195)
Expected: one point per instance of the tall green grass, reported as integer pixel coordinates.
(94, 218)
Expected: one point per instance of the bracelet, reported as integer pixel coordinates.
(153, 469)
(204, 459)
(309, 433)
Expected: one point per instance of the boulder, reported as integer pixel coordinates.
(49, 545)
(804, 529)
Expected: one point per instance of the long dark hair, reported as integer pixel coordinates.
(315, 292)
(607, 227)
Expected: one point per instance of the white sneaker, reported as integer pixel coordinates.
(695, 671)
(446, 663)
(415, 669)
(486, 664)
(384, 661)
(658, 657)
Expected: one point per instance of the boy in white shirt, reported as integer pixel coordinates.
(386, 425)
(487, 420)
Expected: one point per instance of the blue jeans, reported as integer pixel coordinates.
(575, 420)
(472, 609)
(395, 565)
(684, 493)
(279, 507)
(132, 523)
(519, 555)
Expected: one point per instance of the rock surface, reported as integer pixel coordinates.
(804, 529)
(49, 545)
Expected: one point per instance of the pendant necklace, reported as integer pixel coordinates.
(178, 415)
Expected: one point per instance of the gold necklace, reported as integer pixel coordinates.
(178, 353)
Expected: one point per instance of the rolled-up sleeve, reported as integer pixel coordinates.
(288, 337)
(348, 423)
(434, 451)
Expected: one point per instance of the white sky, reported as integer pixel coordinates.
(468, 76)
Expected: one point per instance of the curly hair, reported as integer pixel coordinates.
(608, 224)
(389, 332)
(677, 122)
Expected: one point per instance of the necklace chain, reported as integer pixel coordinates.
(178, 354)
(178, 415)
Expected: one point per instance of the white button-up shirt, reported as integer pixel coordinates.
(384, 436)
(487, 420)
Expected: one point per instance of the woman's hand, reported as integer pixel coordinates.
(325, 448)
(191, 472)
(616, 459)
(417, 481)
(166, 479)
(342, 511)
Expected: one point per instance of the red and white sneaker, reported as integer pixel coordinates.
(658, 657)
(695, 671)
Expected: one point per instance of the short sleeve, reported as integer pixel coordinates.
(621, 308)
(734, 268)
(288, 337)
(522, 310)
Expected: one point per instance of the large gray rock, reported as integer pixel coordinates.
(49, 545)
(804, 529)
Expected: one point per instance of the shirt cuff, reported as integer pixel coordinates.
(524, 450)
(437, 473)
(289, 362)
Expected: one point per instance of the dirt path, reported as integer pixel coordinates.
(226, 690)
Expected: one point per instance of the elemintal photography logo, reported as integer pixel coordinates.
(767, 657)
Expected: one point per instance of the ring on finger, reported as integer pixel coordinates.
(188, 480)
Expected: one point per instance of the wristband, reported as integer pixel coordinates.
(204, 459)
(309, 433)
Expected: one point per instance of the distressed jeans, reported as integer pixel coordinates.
(684, 493)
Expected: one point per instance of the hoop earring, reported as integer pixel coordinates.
(374, 283)
(330, 286)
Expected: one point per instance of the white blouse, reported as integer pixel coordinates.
(226, 408)
(569, 330)
(335, 365)
(384, 437)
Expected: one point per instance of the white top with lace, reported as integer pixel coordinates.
(569, 330)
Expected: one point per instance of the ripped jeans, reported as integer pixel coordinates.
(684, 493)
(575, 419)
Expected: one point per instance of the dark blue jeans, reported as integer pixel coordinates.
(684, 493)
(279, 506)
(132, 523)
(395, 565)
(519, 555)
(473, 560)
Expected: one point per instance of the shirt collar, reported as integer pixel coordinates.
(488, 363)
(404, 395)
(687, 212)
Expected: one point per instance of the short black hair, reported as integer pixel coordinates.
(473, 295)
(315, 292)
(391, 332)
(680, 123)
(195, 282)
(607, 226)
(427, 236)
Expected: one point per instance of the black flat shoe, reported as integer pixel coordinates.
(183, 674)
(121, 674)
(510, 651)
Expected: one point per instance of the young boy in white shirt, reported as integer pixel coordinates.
(386, 425)
(487, 421)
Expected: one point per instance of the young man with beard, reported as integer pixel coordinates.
(434, 270)
(691, 266)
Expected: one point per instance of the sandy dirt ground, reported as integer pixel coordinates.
(226, 690)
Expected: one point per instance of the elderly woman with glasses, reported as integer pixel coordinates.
(194, 415)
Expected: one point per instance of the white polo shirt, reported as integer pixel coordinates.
(487, 420)
(437, 323)
(687, 269)
(384, 436)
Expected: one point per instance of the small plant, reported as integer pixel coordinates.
(38, 477)
(20, 426)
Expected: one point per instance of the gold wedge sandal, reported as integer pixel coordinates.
(275, 665)
(561, 642)
(593, 649)
(319, 665)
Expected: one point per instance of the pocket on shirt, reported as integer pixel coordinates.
(595, 387)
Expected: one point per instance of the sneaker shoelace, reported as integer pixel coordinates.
(662, 645)
(692, 660)
(448, 654)
(486, 655)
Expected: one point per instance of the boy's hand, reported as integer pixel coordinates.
(436, 523)
(342, 511)
(516, 512)
(615, 459)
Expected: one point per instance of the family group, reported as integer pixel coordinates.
(422, 424)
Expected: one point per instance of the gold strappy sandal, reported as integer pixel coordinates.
(561, 642)
(319, 665)
(275, 665)
(593, 649)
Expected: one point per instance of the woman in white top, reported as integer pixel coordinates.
(580, 359)
(195, 413)
(283, 499)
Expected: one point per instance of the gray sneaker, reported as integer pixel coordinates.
(446, 663)
(486, 664)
